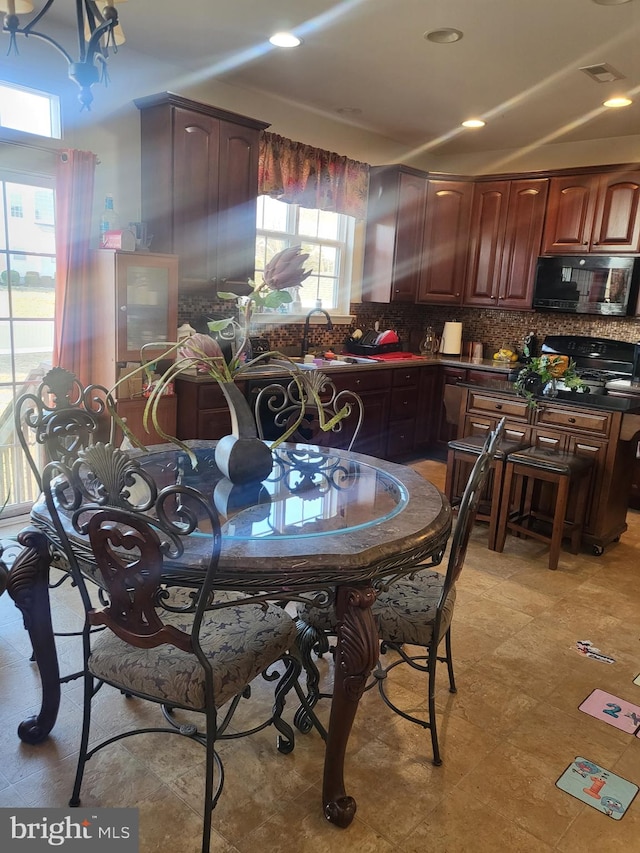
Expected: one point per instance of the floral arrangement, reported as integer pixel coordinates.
(545, 371)
(284, 270)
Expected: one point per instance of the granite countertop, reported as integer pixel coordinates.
(604, 402)
(270, 370)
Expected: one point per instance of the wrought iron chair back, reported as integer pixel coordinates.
(278, 406)
(60, 418)
(108, 513)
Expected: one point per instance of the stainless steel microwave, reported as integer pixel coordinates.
(587, 284)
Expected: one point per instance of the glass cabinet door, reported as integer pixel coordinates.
(147, 288)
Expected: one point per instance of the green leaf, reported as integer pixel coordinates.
(225, 295)
(219, 325)
(276, 298)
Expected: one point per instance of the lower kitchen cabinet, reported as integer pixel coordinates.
(403, 410)
(203, 411)
(594, 433)
(374, 388)
(428, 407)
(132, 411)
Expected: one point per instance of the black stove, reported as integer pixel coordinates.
(597, 360)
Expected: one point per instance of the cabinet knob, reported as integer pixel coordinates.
(457, 294)
(492, 297)
(498, 406)
(571, 420)
(123, 307)
(357, 381)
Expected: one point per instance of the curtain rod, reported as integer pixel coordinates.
(54, 151)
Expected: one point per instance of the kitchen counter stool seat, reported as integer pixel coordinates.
(525, 470)
(461, 456)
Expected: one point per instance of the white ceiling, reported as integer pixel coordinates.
(517, 65)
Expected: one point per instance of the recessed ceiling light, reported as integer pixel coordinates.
(447, 35)
(610, 2)
(473, 122)
(617, 102)
(285, 40)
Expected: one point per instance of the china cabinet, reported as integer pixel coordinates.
(137, 298)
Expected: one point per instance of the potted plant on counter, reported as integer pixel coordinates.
(546, 375)
(241, 456)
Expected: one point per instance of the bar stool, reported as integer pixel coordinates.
(525, 470)
(461, 457)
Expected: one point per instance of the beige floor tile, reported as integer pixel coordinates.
(521, 786)
(462, 824)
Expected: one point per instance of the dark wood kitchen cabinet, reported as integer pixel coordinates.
(428, 406)
(374, 387)
(199, 188)
(505, 234)
(395, 226)
(203, 411)
(597, 213)
(444, 247)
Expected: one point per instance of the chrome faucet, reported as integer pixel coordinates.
(305, 337)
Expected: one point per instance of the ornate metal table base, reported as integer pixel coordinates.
(356, 655)
(28, 586)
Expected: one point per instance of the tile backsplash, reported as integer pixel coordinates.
(494, 328)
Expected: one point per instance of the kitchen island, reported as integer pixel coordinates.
(598, 426)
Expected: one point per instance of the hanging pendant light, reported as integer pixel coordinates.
(97, 32)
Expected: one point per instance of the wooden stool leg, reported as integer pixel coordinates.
(558, 522)
(580, 512)
(451, 464)
(505, 506)
(496, 500)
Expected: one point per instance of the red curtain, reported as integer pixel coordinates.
(75, 314)
(299, 174)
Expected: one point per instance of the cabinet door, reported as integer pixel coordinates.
(487, 232)
(446, 426)
(237, 194)
(617, 218)
(427, 406)
(444, 248)
(147, 302)
(570, 214)
(393, 242)
(523, 236)
(195, 193)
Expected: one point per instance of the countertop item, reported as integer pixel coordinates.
(622, 385)
(451, 343)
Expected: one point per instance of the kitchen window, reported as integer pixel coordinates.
(29, 110)
(327, 237)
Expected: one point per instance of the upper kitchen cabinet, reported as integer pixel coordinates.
(617, 217)
(507, 218)
(199, 188)
(395, 226)
(593, 213)
(444, 247)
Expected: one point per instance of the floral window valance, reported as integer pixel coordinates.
(299, 174)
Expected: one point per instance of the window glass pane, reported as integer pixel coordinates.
(25, 231)
(4, 287)
(328, 225)
(32, 285)
(33, 342)
(3, 244)
(328, 260)
(275, 214)
(260, 212)
(326, 290)
(6, 364)
(308, 222)
(29, 111)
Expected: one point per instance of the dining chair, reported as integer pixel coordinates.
(414, 611)
(278, 406)
(166, 637)
(60, 417)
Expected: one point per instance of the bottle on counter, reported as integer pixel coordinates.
(109, 219)
(427, 344)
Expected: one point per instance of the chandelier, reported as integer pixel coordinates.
(97, 33)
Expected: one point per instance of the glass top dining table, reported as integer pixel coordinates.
(328, 525)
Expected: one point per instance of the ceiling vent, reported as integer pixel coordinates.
(602, 73)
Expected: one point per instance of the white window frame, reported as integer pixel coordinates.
(346, 247)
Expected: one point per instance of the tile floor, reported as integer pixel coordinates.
(507, 735)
